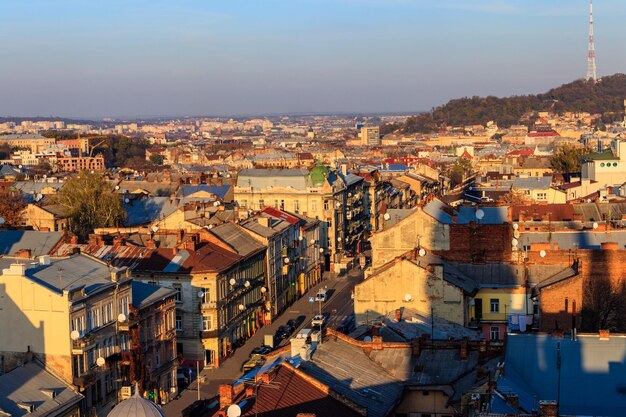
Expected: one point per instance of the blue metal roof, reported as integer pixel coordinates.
(593, 372)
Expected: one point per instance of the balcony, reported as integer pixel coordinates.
(208, 334)
(83, 344)
(132, 320)
(86, 379)
(210, 305)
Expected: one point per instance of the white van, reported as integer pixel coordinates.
(321, 295)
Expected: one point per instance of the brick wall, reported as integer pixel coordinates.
(479, 243)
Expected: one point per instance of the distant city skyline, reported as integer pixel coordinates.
(98, 59)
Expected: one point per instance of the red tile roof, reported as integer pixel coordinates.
(289, 393)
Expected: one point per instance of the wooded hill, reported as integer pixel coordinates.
(605, 97)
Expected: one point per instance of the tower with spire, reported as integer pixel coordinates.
(591, 56)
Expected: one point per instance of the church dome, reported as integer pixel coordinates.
(136, 406)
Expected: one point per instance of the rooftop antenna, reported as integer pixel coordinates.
(591, 56)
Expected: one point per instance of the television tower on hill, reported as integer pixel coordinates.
(591, 56)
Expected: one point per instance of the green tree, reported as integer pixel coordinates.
(567, 158)
(157, 159)
(90, 202)
(459, 171)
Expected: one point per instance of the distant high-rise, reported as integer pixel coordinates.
(591, 56)
(370, 136)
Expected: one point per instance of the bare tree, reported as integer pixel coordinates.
(604, 304)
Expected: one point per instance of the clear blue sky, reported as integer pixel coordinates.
(100, 58)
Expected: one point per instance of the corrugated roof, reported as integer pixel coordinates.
(27, 385)
(346, 369)
(40, 243)
(237, 239)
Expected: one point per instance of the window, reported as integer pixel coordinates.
(207, 323)
(244, 203)
(296, 206)
(179, 292)
(313, 206)
(95, 317)
(261, 203)
(495, 305)
(206, 297)
(107, 313)
(326, 204)
(275, 204)
(78, 324)
(542, 196)
(495, 333)
(179, 323)
(566, 304)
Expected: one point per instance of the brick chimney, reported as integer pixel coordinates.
(151, 244)
(74, 240)
(398, 314)
(23, 253)
(180, 236)
(190, 244)
(547, 408)
(119, 241)
(604, 334)
(227, 393)
(609, 246)
(463, 349)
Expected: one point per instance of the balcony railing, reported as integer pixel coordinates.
(83, 344)
(210, 305)
(208, 334)
(86, 379)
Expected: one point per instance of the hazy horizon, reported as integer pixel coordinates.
(93, 60)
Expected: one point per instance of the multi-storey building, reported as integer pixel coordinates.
(370, 136)
(328, 195)
(278, 231)
(65, 312)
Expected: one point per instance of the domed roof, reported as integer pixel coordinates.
(136, 406)
(318, 173)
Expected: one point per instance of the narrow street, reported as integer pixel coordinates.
(338, 308)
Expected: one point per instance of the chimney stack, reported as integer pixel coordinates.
(227, 393)
(548, 408)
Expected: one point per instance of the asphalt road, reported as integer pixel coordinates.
(338, 308)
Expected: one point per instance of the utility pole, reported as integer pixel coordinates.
(558, 379)
(198, 377)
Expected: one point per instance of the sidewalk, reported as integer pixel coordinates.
(231, 368)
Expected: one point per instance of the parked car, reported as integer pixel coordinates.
(255, 362)
(261, 350)
(318, 320)
(321, 295)
(283, 332)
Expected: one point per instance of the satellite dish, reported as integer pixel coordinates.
(126, 200)
(200, 294)
(286, 260)
(312, 242)
(595, 225)
(100, 361)
(74, 335)
(480, 214)
(321, 249)
(155, 228)
(386, 216)
(246, 284)
(217, 203)
(300, 237)
(422, 252)
(39, 197)
(542, 253)
(117, 187)
(121, 317)
(45, 176)
(338, 204)
(263, 290)
(339, 239)
(514, 242)
(516, 234)
(515, 226)
(242, 307)
(233, 411)
(232, 281)
(407, 297)
(367, 339)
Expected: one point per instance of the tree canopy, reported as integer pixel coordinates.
(90, 202)
(604, 97)
(567, 159)
(12, 206)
